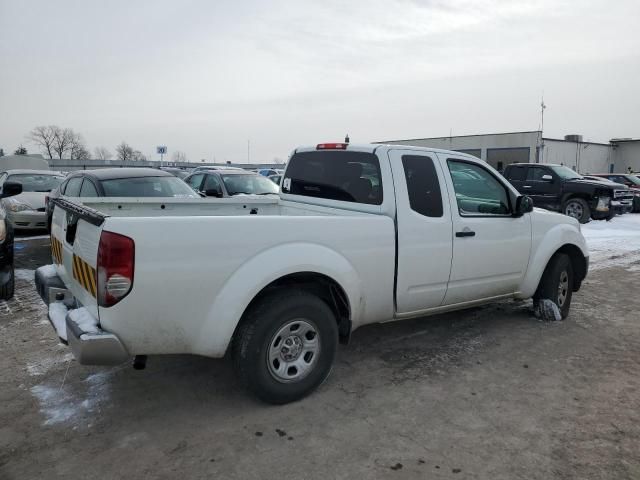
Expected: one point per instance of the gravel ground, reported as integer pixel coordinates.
(488, 393)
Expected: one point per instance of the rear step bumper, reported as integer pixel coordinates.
(89, 348)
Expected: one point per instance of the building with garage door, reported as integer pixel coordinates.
(501, 149)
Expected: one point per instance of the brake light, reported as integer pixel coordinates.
(332, 146)
(116, 257)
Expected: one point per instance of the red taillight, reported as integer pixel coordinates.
(332, 146)
(116, 257)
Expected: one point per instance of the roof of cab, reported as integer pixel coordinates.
(118, 173)
(372, 147)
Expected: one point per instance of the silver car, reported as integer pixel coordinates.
(27, 211)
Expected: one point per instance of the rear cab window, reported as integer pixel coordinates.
(347, 176)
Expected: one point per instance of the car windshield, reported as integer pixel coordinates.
(36, 182)
(249, 184)
(147, 187)
(566, 173)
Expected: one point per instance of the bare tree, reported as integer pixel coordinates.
(63, 141)
(102, 153)
(44, 137)
(278, 160)
(124, 152)
(20, 151)
(138, 156)
(1, 152)
(179, 156)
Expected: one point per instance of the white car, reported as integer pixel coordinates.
(359, 234)
(27, 211)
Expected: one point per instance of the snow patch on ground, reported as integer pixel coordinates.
(614, 243)
(25, 274)
(73, 403)
(57, 314)
(84, 320)
(43, 366)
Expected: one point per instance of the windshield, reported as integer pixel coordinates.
(147, 187)
(566, 173)
(36, 182)
(249, 184)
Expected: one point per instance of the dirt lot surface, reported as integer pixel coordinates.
(489, 393)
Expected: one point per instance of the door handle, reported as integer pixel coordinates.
(526, 186)
(466, 233)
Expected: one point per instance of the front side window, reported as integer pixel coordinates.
(535, 174)
(422, 185)
(477, 191)
(336, 175)
(194, 181)
(565, 173)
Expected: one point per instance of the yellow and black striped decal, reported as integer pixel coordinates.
(85, 274)
(56, 250)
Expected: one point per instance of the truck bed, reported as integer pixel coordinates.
(202, 261)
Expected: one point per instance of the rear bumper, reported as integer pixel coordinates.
(31, 220)
(89, 348)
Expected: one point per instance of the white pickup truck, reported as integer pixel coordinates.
(360, 234)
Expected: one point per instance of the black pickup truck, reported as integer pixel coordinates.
(558, 188)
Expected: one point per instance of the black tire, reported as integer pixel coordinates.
(260, 335)
(558, 269)
(577, 208)
(8, 288)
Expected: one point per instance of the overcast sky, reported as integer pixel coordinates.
(204, 77)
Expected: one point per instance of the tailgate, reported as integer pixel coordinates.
(75, 237)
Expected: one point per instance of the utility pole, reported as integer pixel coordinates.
(542, 107)
(248, 150)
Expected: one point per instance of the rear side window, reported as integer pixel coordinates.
(423, 185)
(516, 173)
(335, 175)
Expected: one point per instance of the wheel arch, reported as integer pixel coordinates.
(315, 268)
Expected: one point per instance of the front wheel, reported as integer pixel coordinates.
(557, 283)
(577, 208)
(285, 346)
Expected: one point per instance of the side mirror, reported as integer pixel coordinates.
(547, 178)
(213, 192)
(524, 204)
(9, 189)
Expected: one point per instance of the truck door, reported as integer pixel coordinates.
(423, 229)
(541, 185)
(490, 246)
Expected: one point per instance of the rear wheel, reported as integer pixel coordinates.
(577, 208)
(7, 289)
(557, 284)
(285, 346)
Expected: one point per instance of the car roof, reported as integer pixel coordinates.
(39, 172)
(228, 172)
(524, 164)
(119, 173)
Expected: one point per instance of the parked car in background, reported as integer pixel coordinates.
(275, 178)
(176, 172)
(558, 188)
(228, 183)
(7, 275)
(277, 282)
(215, 167)
(267, 172)
(119, 182)
(28, 210)
(630, 180)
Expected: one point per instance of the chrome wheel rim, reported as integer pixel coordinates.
(293, 351)
(574, 209)
(563, 288)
